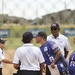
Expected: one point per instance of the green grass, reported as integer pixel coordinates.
(71, 42)
(13, 43)
(16, 32)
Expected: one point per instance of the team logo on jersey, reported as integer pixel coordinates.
(45, 49)
(54, 46)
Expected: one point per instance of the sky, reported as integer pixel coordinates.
(31, 9)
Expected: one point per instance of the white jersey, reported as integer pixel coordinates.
(1, 58)
(29, 56)
(61, 41)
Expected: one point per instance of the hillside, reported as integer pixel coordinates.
(64, 17)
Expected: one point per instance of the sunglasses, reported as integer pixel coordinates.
(53, 29)
(2, 42)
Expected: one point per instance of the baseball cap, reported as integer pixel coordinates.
(27, 37)
(42, 34)
(55, 25)
(2, 40)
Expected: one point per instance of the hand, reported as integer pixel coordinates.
(52, 65)
(0, 62)
(74, 39)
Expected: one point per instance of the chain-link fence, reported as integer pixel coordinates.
(31, 12)
(32, 9)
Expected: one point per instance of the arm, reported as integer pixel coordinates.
(16, 66)
(16, 62)
(67, 48)
(66, 53)
(7, 61)
(42, 67)
(57, 56)
(74, 39)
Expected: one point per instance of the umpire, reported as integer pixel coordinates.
(2, 55)
(31, 58)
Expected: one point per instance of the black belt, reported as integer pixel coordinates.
(29, 72)
(0, 68)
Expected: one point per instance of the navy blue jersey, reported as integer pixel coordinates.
(72, 61)
(48, 50)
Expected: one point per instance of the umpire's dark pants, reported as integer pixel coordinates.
(47, 71)
(0, 71)
(28, 72)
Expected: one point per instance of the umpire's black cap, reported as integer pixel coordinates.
(2, 40)
(55, 25)
(41, 34)
(27, 37)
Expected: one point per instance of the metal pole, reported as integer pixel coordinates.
(2, 9)
(2, 6)
(65, 5)
(37, 10)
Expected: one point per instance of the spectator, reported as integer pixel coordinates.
(2, 57)
(31, 58)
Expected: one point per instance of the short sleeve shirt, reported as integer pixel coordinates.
(30, 57)
(1, 58)
(61, 41)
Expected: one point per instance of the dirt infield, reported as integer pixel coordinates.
(8, 68)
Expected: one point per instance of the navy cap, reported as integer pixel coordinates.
(2, 40)
(42, 34)
(27, 37)
(55, 25)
